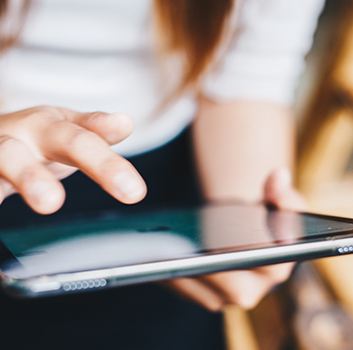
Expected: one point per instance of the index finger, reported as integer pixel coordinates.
(244, 288)
(71, 144)
(112, 127)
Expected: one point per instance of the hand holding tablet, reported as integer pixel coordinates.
(247, 287)
(77, 255)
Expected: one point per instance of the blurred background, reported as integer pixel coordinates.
(324, 107)
(314, 310)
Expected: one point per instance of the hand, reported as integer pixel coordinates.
(40, 145)
(245, 288)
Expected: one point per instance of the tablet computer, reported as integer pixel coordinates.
(67, 255)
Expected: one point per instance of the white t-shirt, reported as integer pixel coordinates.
(91, 55)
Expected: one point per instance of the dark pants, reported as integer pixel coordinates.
(139, 317)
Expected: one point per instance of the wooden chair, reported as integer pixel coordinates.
(325, 176)
(325, 173)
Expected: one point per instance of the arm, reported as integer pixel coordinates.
(239, 140)
(238, 145)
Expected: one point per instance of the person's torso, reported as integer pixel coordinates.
(101, 55)
(93, 55)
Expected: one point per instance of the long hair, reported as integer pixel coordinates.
(12, 19)
(192, 29)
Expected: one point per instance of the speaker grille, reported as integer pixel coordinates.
(84, 284)
(345, 249)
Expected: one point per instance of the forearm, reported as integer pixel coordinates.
(238, 144)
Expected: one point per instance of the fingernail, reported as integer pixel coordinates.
(42, 192)
(124, 119)
(284, 177)
(129, 185)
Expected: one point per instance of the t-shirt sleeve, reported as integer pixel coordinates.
(267, 52)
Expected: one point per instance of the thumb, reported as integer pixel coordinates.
(279, 191)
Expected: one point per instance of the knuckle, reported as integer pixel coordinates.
(29, 174)
(80, 138)
(48, 113)
(96, 116)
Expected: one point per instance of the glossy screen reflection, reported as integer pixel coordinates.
(110, 241)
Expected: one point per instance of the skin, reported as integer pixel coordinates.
(50, 143)
(240, 153)
(244, 151)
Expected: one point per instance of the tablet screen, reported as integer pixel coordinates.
(110, 240)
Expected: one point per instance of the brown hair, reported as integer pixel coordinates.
(192, 29)
(10, 34)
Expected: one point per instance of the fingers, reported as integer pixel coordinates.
(6, 189)
(113, 127)
(285, 226)
(279, 191)
(276, 273)
(39, 188)
(197, 291)
(244, 288)
(2, 191)
(75, 146)
(247, 288)
(85, 146)
(60, 170)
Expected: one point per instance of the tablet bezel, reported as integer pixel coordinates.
(210, 261)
